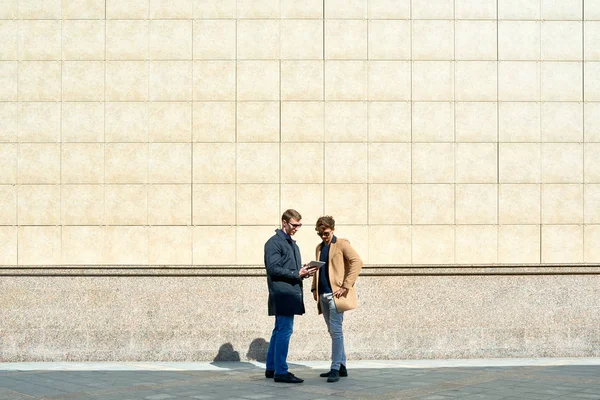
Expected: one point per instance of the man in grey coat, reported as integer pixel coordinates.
(284, 279)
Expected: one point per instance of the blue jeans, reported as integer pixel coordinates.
(279, 344)
(334, 320)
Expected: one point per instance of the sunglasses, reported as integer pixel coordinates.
(295, 226)
(326, 234)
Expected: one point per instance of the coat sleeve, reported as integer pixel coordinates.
(313, 287)
(352, 263)
(274, 262)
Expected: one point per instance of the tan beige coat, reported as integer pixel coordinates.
(344, 266)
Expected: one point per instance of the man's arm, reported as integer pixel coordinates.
(274, 262)
(352, 263)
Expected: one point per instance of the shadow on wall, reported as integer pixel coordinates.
(257, 351)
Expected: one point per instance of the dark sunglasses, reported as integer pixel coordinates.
(326, 234)
(296, 226)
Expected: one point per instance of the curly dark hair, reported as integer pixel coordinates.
(324, 222)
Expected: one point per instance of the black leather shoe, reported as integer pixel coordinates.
(343, 372)
(288, 378)
(334, 376)
(269, 373)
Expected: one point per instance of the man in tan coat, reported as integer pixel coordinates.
(333, 289)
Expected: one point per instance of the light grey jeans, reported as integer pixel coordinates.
(334, 320)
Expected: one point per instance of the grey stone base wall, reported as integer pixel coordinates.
(192, 318)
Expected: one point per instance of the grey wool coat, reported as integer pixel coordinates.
(283, 263)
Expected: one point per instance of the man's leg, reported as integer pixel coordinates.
(285, 327)
(335, 320)
(271, 352)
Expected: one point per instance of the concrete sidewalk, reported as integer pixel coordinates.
(549, 378)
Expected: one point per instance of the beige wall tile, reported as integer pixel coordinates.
(432, 40)
(433, 80)
(9, 31)
(82, 163)
(8, 245)
(591, 204)
(433, 162)
(433, 9)
(476, 204)
(258, 80)
(308, 200)
(432, 122)
(345, 9)
(562, 204)
(389, 163)
(476, 81)
(126, 163)
(520, 163)
(433, 204)
(346, 121)
(126, 122)
(562, 81)
(8, 205)
(258, 162)
(519, 122)
(9, 81)
(258, 9)
(562, 10)
(126, 81)
(302, 121)
(562, 122)
(518, 81)
(475, 9)
(591, 32)
(39, 40)
(519, 244)
(301, 9)
(83, 81)
(591, 250)
(170, 245)
(38, 81)
(591, 162)
(8, 163)
(82, 122)
(389, 40)
(126, 204)
(476, 122)
(127, 40)
(39, 163)
(83, 9)
(82, 205)
(257, 203)
(214, 9)
(389, 204)
(475, 40)
(345, 39)
(562, 40)
(358, 235)
(389, 121)
(126, 245)
(562, 243)
(249, 244)
(214, 121)
(82, 245)
(433, 244)
(389, 9)
(519, 204)
(214, 39)
(562, 163)
(519, 40)
(390, 244)
(39, 122)
(346, 163)
(33, 9)
(347, 202)
(170, 163)
(389, 80)
(9, 122)
(39, 245)
(476, 163)
(301, 39)
(179, 9)
(171, 80)
(257, 39)
(214, 204)
(345, 80)
(170, 122)
(83, 40)
(216, 245)
(214, 162)
(592, 81)
(302, 80)
(170, 205)
(591, 122)
(132, 9)
(309, 170)
(477, 244)
(39, 205)
(170, 40)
